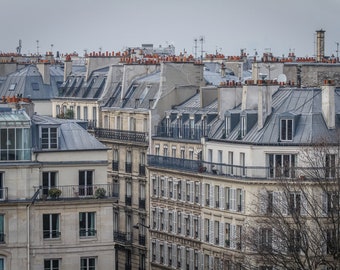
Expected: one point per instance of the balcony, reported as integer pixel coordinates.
(128, 167)
(218, 169)
(183, 132)
(76, 192)
(121, 135)
(122, 237)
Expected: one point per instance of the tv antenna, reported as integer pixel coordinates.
(37, 47)
(195, 47)
(202, 40)
(19, 47)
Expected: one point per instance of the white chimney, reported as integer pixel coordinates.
(328, 105)
(44, 69)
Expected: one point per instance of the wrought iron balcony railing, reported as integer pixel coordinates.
(181, 132)
(77, 192)
(121, 135)
(122, 237)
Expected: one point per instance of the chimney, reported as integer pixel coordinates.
(67, 67)
(222, 70)
(44, 69)
(328, 104)
(320, 45)
(229, 97)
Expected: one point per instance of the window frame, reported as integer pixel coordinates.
(53, 224)
(87, 227)
(50, 142)
(286, 129)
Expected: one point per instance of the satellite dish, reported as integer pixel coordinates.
(282, 78)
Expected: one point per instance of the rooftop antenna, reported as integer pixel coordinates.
(202, 39)
(337, 50)
(37, 47)
(52, 48)
(195, 41)
(19, 47)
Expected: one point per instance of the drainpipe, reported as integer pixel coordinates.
(28, 206)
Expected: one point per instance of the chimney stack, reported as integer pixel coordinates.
(44, 69)
(328, 105)
(320, 45)
(67, 67)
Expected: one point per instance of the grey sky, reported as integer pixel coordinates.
(228, 26)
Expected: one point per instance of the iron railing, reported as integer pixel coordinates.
(182, 132)
(121, 135)
(77, 192)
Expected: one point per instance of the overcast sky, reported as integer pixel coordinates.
(227, 26)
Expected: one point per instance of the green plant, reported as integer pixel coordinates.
(100, 193)
(54, 192)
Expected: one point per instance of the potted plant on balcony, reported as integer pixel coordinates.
(100, 193)
(54, 193)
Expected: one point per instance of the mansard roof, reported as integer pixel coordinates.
(72, 137)
(302, 104)
(28, 82)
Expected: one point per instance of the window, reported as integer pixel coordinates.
(331, 241)
(217, 196)
(294, 242)
(3, 194)
(173, 151)
(128, 196)
(85, 113)
(35, 86)
(265, 239)
(51, 226)
(2, 229)
(115, 160)
(49, 137)
(78, 113)
(243, 127)
(50, 264)
(243, 163)
(227, 125)
(49, 180)
(87, 224)
(165, 150)
(132, 124)
(57, 110)
(88, 263)
(294, 203)
(12, 86)
(282, 165)
(239, 199)
(157, 150)
(217, 232)
(128, 164)
(94, 115)
(231, 162)
(15, 143)
(286, 132)
(227, 235)
(182, 152)
(330, 166)
(118, 122)
(191, 154)
(85, 183)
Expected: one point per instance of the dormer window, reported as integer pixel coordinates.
(286, 129)
(227, 125)
(243, 126)
(49, 137)
(12, 86)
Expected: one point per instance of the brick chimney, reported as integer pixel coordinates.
(328, 104)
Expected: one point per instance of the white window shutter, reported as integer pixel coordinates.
(175, 183)
(192, 191)
(222, 233)
(222, 201)
(243, 204)
(203, 194)
(157, 251)
(212, 201)
(174, 255)
(166, 220)
(233, 199)
(166, 187)
(211, 233)
(202, 229)
(192, 258)
(165, 259)
(184, 187)
(183, 259)
(192, 217)
(174, 215)
(211, 262)
(232, 236)
(263, 201)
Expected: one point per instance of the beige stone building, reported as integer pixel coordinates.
(56, 204)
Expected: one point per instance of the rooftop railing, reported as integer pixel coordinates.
(236, 171)
(121, 135)
(181, 132)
